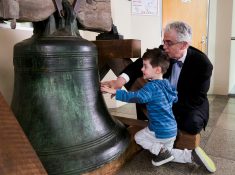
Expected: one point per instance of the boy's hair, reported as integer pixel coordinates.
(157, 57)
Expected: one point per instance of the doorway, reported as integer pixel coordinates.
(193, 12)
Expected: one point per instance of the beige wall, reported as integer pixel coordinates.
(8, 38)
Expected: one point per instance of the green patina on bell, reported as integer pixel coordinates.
(58, 103)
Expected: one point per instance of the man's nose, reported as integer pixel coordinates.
(164, 46)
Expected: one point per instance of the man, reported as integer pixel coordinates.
(189, 72)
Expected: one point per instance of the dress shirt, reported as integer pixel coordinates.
(176, 69)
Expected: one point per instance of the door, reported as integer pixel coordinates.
(193, 12)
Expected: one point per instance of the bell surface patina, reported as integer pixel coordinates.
(58, 103)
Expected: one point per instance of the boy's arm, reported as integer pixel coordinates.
(143, 95)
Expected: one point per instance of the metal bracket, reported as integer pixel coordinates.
(59, 7)
(76, 6)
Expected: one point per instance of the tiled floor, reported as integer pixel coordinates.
(218, 141)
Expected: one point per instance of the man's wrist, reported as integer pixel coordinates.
(125, 77)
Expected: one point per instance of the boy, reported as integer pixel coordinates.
(159, 136)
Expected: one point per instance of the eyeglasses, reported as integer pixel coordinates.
(170, 43)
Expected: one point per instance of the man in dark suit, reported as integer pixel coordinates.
(190, 72)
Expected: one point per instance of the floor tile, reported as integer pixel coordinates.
(217, 105)
(205, 136)
(229, 108)
(221, 144)
(223, 166)
(213, 118)
(207, 132)
(226, 121)
(211, 98)
(141, 165)
(231, 100)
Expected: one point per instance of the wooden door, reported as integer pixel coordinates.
(193, 12)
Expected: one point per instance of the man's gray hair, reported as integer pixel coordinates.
(183, 30)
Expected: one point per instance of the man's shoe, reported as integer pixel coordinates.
(201, 158)
(163, 157)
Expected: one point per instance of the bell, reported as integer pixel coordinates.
(58, 103)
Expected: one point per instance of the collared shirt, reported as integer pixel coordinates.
(176, 69)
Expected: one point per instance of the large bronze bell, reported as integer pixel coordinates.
(58, 103)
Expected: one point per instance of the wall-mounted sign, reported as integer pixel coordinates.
(145, 7)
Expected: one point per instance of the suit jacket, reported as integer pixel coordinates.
(192, 87)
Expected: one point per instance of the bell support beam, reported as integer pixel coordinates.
(116, 55)
(127, 48)
(16, 153)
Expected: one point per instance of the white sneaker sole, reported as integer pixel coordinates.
(162, 162)
(209, 164)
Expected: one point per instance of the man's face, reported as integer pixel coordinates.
(171, 46)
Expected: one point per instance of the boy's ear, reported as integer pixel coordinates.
(158, 69)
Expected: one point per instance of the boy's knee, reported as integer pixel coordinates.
(138, 136)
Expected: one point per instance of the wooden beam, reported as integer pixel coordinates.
(127, 48)
(132, 122)
(17, 156)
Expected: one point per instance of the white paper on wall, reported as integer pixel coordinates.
(145, 7)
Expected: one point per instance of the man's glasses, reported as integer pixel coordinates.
(170, 43)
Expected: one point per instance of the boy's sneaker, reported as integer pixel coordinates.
(201, 158)
(163, 157)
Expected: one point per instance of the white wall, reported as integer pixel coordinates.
(233, 22)
(212, 38)
(222, 47)
(8, 38)
(232, 69)
(232, 54)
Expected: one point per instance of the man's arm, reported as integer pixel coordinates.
(129, 74)
(133, 70)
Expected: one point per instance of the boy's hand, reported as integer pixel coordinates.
(115, 84)
(107, 89)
